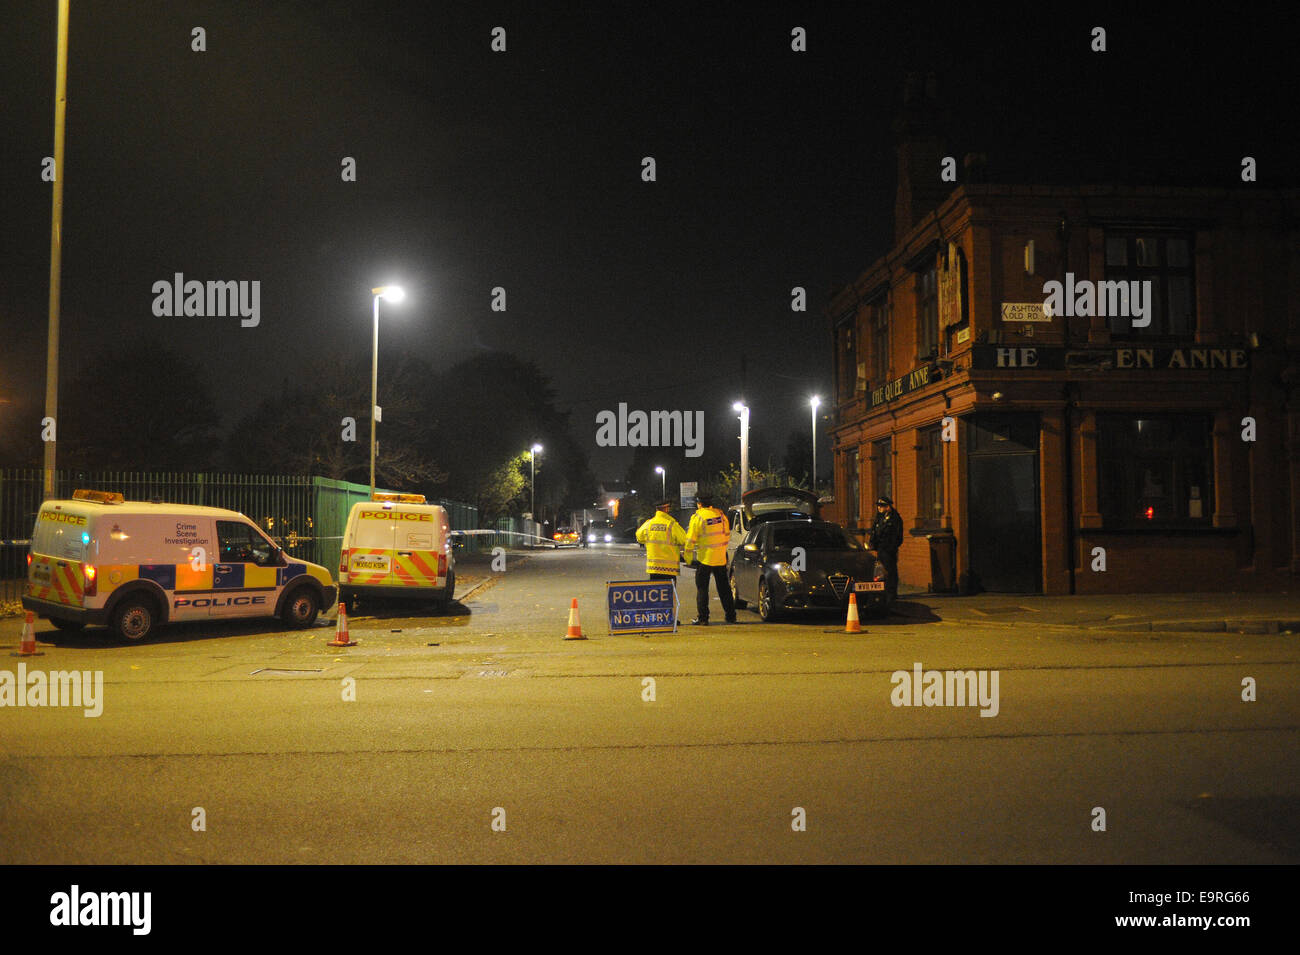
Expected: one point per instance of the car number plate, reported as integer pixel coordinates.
(869, 585)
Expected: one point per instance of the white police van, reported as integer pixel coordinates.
(397, 545)
(99, 559)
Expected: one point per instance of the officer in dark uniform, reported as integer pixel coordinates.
(886, 539)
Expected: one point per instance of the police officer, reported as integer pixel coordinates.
(706, 548)
(663, 538)
(886, 539)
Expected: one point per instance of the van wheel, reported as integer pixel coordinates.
(73, 626)
(451, 589)
(300, 609)
(134, 618)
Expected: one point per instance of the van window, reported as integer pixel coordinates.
(57, 539)
(239, 543)
(375, 531)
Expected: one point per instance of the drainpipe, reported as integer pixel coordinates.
(1068, 391)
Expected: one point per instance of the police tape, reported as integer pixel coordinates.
(14, 543)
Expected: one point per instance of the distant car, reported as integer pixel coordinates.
(769, 504)
(600, 532)
(565, 537)
(832, 565)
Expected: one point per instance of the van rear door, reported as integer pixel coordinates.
(59, 548)
(371, 549)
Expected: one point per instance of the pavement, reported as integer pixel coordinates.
(1186, 613)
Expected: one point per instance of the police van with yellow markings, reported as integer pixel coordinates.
(99, 559)
(397, 545)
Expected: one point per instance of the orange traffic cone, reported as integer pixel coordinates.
(27, 646)
(341, 638)
(575, 629)
(852, 625)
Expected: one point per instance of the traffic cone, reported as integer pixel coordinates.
(575, 629)
(27, 646)
(341, 638)
(852, 625)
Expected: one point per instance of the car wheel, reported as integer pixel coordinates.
(735, 596)
(300, 609)
(767, 611)
(73, 626)
(134, 618)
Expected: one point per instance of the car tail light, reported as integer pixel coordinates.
(91, 588)
(442, 565)
(343, 561)
(29, 560)
(880, 572)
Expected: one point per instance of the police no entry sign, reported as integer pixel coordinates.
(641, 606)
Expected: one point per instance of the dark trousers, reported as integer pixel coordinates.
(890, 559)
(719, 575)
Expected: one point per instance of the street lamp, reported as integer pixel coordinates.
(393, 293)
(663, 480)
(532, 484)
(814, 401)
(744, 445)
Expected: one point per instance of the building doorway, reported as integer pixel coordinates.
(1004, 529)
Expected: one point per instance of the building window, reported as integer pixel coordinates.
(879, 342)
(927, 313)
(1165, 261)
(1155, 470)
(882, 464)
(929, 459)
(853, 469)
(847, 350)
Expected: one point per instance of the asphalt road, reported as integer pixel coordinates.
(481, 735)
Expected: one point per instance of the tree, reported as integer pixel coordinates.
(138, 406)
(322, 427)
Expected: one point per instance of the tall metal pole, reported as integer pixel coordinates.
(56, 249)
(744, 449)
(532, 485)
(374, 395)
(813, 481)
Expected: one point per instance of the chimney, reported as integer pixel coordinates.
(920, 150)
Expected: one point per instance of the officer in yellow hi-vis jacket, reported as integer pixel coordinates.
(706, 547)
(663, 538)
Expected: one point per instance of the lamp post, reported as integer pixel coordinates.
(393, 293)
(814, 402)
(744, 445)
(532, 484)
(663, 480)
(56, 250)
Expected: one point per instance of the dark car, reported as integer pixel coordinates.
(600, 532)
(766, 571)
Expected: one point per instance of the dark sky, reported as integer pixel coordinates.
(522, 170)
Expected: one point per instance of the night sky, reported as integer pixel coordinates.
(522, 170)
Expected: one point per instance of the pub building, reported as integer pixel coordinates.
(1135, 427)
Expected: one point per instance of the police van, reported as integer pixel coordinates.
(99, 559)
(397, 545)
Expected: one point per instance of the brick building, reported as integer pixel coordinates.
(1027, 446)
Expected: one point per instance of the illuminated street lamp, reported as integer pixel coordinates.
(535, 450)
(663, 480)
(814, 402)
(391, 293)
(744, 445)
